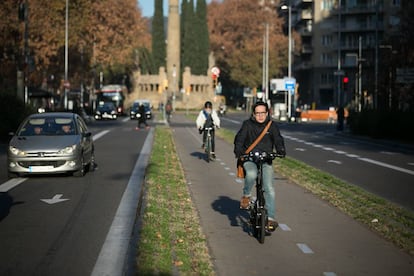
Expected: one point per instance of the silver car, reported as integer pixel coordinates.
(51, 143)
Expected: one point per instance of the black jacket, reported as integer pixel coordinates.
(250, 130)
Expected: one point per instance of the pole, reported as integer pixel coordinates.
(360, 74)
(266, 91)
(66, 53)
(339, 55)
(290, 57)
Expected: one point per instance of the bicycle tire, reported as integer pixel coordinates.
(254, 220)
(262, 226)
(208, 148)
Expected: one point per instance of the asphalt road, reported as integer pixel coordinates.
(84, 234)
(384, 168)
(314, 238)
(87, 228)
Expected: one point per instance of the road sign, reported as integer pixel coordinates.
(290, 84)
(216, 71)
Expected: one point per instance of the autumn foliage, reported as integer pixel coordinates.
(237, 31)
(102, 34)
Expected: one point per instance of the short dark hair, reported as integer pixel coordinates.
(259, 103)
(208, 104)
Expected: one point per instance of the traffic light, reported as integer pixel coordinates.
(345, 81)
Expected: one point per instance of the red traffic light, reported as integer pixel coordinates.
(345, 79)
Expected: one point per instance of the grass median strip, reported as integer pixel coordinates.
(171, 241)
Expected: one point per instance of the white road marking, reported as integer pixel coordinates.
(335, 162)
(113, 253)
(368, 160)
(10, 184)
(284, 227)
(304, 248)
(329, 274)
(56, 199)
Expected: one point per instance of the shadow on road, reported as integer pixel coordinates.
(231, 208)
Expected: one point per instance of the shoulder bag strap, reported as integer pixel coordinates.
(249, 149)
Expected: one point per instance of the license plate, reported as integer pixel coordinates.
(40, 168)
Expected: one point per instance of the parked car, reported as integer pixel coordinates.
(106, 110)
(51, 143)
(133, 112)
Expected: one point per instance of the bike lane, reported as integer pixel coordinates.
(314, 238)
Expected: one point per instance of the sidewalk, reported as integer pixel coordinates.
(314, 238)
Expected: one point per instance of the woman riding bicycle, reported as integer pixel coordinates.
(249, 131)
(208, 118)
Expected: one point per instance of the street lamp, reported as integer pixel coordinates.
(265, 80)
(289, 8)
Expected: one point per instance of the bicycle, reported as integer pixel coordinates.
(257, 209)
(208, 143)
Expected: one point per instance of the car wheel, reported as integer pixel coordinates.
(12, 175)
(92, 164)
(81, 171)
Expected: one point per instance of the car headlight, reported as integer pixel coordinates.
(68, 150)
(113, 112)
(98, 112)
(16, 151)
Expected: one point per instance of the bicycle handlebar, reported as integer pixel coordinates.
(261, 156)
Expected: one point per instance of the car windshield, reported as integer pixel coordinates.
(48, 126)
(106, 107)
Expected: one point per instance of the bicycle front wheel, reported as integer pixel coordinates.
(208, 148)
(261, 231)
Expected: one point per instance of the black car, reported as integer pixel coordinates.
(106, 110)
(133, 112)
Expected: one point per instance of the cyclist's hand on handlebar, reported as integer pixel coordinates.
(281, 152)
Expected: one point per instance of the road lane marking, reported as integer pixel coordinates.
(329, 274)
(10, 184)
(100, 134)
(387, 165)
(284, 227)
(56, 199)
(304, 248)
(368, 160)
(113, 255)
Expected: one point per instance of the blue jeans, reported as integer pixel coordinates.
(269, 191)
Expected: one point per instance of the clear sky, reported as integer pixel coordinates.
(147, 6)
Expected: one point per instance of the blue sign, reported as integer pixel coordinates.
(290, 84)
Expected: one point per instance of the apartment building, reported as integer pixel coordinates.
(345, 58)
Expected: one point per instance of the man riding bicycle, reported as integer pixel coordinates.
(249, 131)
(208, 118)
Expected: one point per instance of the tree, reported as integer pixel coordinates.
(236, 37)
(102, 34)
(202, 40)
(158, 35)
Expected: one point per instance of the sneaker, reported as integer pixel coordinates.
(245, 202)
(213, 155)
(202, 146)
(272, 225)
